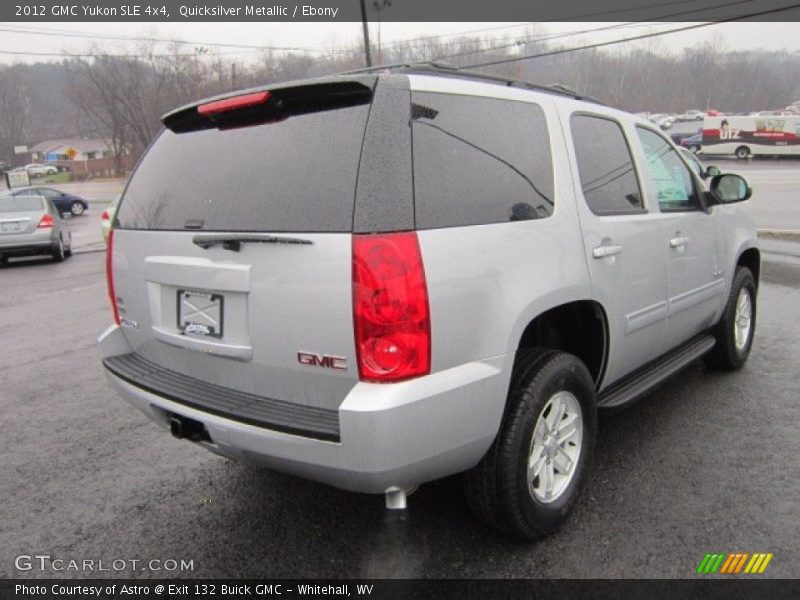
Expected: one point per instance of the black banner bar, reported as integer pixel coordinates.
(703, 587)
(399, 11)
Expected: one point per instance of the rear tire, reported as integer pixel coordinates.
(58, 251)
(736, 328)
(531, 477)
(742, 152)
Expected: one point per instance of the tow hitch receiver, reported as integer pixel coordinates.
(189, 429)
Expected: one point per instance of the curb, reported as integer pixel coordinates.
(780, 234)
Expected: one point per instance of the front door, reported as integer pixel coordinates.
(695, 281)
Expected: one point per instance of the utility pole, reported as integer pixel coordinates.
(379, 5)
(366, 33)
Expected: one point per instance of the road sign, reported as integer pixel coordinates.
(15, 179)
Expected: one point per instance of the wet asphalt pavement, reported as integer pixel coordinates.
(708, 462)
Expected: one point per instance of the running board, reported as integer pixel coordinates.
(644, 379)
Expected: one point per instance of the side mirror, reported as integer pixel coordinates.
(729, 188)
(712, 171)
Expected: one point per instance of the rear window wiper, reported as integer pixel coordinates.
(234, 242)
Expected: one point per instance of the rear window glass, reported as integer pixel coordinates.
(605, 166)
(298, 174)
(479, 160)
(9, 204)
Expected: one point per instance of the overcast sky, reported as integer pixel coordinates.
(41, 37)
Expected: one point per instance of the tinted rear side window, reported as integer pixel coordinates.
(298, 174)
(21, 203)
(605, 166)
(479, 160)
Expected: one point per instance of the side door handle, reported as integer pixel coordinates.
(606, 251)
(678, 242)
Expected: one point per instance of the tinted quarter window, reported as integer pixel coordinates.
(671, 179)
(298, 174)
(605, 166)
(479, 160)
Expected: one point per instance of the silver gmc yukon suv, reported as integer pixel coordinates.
(378, 279)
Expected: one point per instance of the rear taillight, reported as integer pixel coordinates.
(390, 307)
(235, 103)
(46, 222)
(110, 276)
(104, 216)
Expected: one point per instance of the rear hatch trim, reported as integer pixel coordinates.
(269, 413)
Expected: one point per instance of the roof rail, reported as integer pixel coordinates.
(447, 69)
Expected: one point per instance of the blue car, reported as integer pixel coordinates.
(693, 143)
(64, 202)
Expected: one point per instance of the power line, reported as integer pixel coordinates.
(604, 28)
(545, 38)
(574, 17)
(635, 38)
(102, 54)
(78, 34)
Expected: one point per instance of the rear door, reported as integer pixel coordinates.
(232, 245)
(622, 241)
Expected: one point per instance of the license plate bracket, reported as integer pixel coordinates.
(200, 313)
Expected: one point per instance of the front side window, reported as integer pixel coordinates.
(671, 179)
(608, 177)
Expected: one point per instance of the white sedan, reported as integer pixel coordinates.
(39, 170)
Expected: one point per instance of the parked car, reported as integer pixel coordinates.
(692, 115)
(662, 120)
(39, 170)
(31, 225)
(679, 137)
(64, 202)
(382, 318)
(693, 143)
(107, 218)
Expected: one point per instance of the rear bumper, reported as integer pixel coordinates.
(395, 435)
(27, 243)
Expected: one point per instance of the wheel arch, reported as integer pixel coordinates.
(579, 327)
(751, 258)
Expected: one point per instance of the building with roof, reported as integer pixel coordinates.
(90, 156)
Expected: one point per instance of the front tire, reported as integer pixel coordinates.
(531, 477)
(76, 208)
(736, 328)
